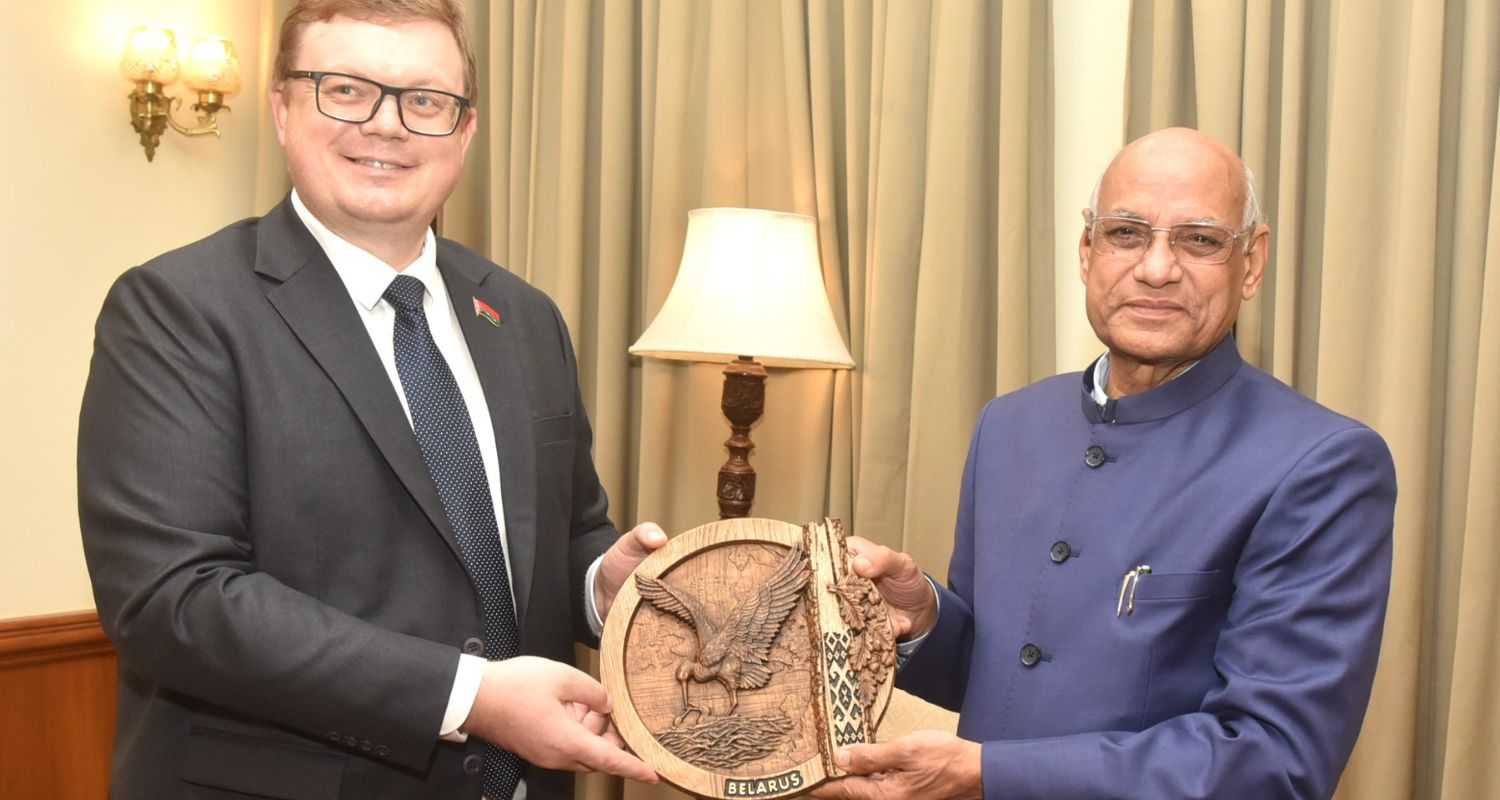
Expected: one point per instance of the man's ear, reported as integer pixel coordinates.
(1085, 247)
(278, 100)
(468, 127)
(1257, 254)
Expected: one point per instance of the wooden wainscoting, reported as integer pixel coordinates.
(57, 707)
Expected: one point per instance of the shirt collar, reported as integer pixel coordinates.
(1190, 387)
(1101, 380)
(363, 273)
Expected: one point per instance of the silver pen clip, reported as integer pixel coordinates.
(1126, 604)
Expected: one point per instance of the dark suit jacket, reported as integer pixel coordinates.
(267, 549)
(1246, 665)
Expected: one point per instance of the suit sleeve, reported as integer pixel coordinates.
(1297, 655)
(163, 511)
(938, 671)
(592, 531)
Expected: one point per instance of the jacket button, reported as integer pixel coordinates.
(474, 646)
(351, 741)
(473, 764)
(1030, 655)
(382, 751)
(333, 736)
(1061, 551)
(1094, 456)
(366, 745)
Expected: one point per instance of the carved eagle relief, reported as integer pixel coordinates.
(735, 653)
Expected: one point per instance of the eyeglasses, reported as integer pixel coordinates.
(350, 98)
(1191, 242)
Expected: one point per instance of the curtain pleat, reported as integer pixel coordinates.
(920, 135)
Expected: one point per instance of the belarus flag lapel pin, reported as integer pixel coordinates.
(483, 309)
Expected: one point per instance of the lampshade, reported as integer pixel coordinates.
(212, 66)
(150, 55)
(750, 284)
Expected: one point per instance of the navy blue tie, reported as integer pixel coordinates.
(446, 436)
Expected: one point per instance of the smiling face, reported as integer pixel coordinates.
(374, 181)
(1152, 309)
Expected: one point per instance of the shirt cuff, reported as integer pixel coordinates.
(461, 699)
(905, 650)
(590, 610)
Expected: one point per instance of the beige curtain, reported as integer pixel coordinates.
(918, 133)
(1372, 125)
(608, 121)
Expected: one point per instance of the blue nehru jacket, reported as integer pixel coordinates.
(1244, 667)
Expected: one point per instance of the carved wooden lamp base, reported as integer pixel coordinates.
(744, 401)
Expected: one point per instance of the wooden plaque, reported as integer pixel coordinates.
(741, 654)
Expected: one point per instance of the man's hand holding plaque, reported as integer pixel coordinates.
(620, 561)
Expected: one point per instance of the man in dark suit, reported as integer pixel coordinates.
(1169, 571)
(335, 480)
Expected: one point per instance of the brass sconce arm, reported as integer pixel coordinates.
(151, 113)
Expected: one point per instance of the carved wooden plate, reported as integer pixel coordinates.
(741, 654)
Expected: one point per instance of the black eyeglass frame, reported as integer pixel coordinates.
(317, 76)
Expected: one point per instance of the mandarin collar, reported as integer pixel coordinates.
(1179, 394)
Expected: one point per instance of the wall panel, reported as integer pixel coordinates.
(57, 707)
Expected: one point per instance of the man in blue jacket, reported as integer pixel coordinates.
(1170, 571)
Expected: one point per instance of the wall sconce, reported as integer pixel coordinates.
(151, 62)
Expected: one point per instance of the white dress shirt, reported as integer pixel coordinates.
(1101, 378)
(367, 277)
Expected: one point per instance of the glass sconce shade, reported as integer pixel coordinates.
(150, 55)
(151, 63)
(212, 66)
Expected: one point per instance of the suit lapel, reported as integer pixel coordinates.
(316, 306)
(497, 359)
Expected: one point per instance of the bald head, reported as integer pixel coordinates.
(1186, 156)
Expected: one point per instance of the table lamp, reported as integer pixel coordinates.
(749, 292)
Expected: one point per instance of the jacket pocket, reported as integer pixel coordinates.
(260, 767)
(552, 430)
(1170, 586)
(1181, 613)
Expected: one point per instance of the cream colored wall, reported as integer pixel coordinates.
(1089, 41)
(80, 205)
